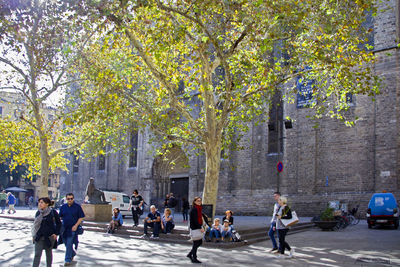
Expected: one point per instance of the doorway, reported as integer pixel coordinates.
(180, 188)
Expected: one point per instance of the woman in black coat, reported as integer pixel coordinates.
(45, 230)
(196, 222)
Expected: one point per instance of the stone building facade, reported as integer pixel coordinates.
(330, 163)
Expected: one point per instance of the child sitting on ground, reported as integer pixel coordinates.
(167, 222)
(226, 232)
(216, 230)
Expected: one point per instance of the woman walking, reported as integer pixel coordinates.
(45, 229)
(196, 223)
(284, 212)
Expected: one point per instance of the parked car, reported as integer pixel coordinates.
(383, 210)
(118, 200)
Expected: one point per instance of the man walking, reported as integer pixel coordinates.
(3, 199)
(272, 228)
(72, 215)
(11, 200)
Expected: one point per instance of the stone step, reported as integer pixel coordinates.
(181, 235)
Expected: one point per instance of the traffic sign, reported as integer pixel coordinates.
(279, 166)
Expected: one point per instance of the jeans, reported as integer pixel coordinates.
(282, 243)
(216, 233)
(226, 234)
(3, 205)
(168, 227)
(155, 225)
(185, 214)
(68, 241)
(272, 236)
(39, 247)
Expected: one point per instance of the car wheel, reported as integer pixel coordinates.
(369, 226)
(396, 224)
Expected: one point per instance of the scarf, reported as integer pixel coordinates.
(199, 214)
(38, 220)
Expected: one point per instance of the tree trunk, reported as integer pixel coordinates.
(213, 162)
(44, 167)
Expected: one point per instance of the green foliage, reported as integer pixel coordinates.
(19, 146)
(327, 214)
(192, 70)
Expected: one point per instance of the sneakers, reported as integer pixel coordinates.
(291, 253)
(154, 237)
(67, 263)
(273, 250)
(144, 236)
(281, 256)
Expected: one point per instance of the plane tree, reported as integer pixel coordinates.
(196, 72)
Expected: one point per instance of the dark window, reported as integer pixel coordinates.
(304, 92)
(133, 144)
(102, 162)
(350, 99)
(368, 25)
(75, 162)
(275, 125)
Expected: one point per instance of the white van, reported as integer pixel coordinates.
(118, 200)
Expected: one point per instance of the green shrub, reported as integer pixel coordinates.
(327, 215)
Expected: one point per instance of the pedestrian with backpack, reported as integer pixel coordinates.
(46, 227)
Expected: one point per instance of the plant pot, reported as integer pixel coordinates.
(326, 225)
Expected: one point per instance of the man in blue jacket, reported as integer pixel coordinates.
(72, 215)
(11, 200)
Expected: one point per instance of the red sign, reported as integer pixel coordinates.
(279, 166)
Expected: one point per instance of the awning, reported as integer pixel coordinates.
(15, 189)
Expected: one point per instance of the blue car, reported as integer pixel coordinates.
(383, 210)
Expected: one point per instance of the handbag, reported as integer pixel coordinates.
(292, 221)
(196, 234)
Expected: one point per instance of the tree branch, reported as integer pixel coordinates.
(20, 71)
(30, 123)
(157, 74)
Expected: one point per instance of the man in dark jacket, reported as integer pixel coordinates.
(172, 202)
(72, 215)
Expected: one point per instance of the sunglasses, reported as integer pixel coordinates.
(70, 198)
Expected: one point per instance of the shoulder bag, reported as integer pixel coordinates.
(196, 234)
(292, 221)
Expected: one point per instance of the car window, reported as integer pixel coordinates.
(379, 201)
(126, 199)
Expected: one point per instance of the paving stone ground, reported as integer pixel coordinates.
(353, 246)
